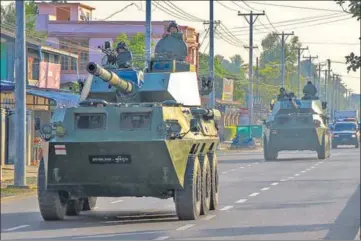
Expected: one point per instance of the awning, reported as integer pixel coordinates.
(61, 99)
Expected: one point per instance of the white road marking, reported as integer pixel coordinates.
(242, 200)
(95, 208)
(117, 201)
(274, 184)
(303, 171)
(209, 217)
(161, 238)
(257, 163)
(185, 227)
(96, 236)
(253, 194)
(249, 165)
(233, 170)
(290, 178)
(312, 167)
(297, 174)
(241, 167)
(226, 208)
(17, 227)
(283, 180)
(223, 172)
(265, 188)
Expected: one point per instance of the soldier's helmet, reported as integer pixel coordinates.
(171, 25)
(122, 45)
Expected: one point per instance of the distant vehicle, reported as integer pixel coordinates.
(341, 115)
(346, 133)
(297, 125)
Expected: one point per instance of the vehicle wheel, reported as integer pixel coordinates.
(74, 207)
(212, 157)
(206, 184)
(322, 151)
(89, 203)
(188, 199)
(52, 204)
(269, 155)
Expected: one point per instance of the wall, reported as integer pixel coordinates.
(3, 61)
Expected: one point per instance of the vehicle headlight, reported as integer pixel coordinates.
(60, 130)
(354, 135)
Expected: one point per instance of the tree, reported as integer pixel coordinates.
(136, 45)
(8, 19)
(354, 8)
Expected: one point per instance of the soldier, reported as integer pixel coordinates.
(283, 94)
(172, 28)
(124, 56)
(309, 90)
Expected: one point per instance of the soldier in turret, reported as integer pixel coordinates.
(172, 28)
(309, 90)
(124, 56)
(283, 94)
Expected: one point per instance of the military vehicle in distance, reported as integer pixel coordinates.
(296, 124)
(125, 140)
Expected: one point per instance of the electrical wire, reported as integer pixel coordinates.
(298, 7)
(225, 6)
(169, 3)
(173, 13)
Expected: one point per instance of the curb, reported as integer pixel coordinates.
(18, 197)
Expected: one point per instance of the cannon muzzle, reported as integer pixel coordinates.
(110, 78)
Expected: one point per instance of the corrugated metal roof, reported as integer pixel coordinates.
(62, 99)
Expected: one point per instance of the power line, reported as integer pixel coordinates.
(225, 6)
(170, 4)
(298, 7)
(301, 19)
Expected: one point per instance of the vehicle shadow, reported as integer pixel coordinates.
(294, 159)
(88, 219)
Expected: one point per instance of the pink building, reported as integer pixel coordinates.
(70, 27)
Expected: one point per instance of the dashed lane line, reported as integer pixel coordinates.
(226, 208)
(161, 238)
(117, 201)
(253, 194)
(242, 201)
(283, 180)
(223, 172)
(16, 228)
(274, 184)
(297, 174)
(303, 171)
(209, 217)
(185, 227)
(265, 188)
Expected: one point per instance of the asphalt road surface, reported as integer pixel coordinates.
(296, 197)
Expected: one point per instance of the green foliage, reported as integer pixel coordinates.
(354, 8)
(8, 19)
(136, 45)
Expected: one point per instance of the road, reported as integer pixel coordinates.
(296, 197)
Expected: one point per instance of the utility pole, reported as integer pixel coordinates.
(328, 78)
(251, 21)
(318, 86)
(20, 92)
(148, 32)
(257, 66)
(283, 40)
(333, 100)
(212, 99)
(300, 51)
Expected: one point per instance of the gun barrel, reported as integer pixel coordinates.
(110, 77)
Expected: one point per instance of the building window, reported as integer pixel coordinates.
(56, 59)
(77, 47)
(46, 57)
(64, 63)
(35, 69)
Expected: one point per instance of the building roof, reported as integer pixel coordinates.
(65, 4)
(61, 98)
(35, 43)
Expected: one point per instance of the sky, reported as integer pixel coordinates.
(333, 40)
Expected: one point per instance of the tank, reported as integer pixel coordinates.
(296, 125)
(130, 140)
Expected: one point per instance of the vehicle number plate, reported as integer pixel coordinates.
(110, 159)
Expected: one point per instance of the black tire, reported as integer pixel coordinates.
(74, 207)
(268, 154)
(89, 203)
(52, 206)
(212, 157)
(323, 151)
(188, 199)
(334, 146)
(206, 184)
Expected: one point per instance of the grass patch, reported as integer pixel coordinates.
(9, 191)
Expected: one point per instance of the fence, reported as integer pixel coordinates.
(230, 132)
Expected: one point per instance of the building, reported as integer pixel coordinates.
(43, 62)
(70, 26)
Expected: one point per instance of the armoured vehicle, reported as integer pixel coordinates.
(125, 140)
(296, 124)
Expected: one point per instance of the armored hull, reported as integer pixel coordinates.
(296, 127)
